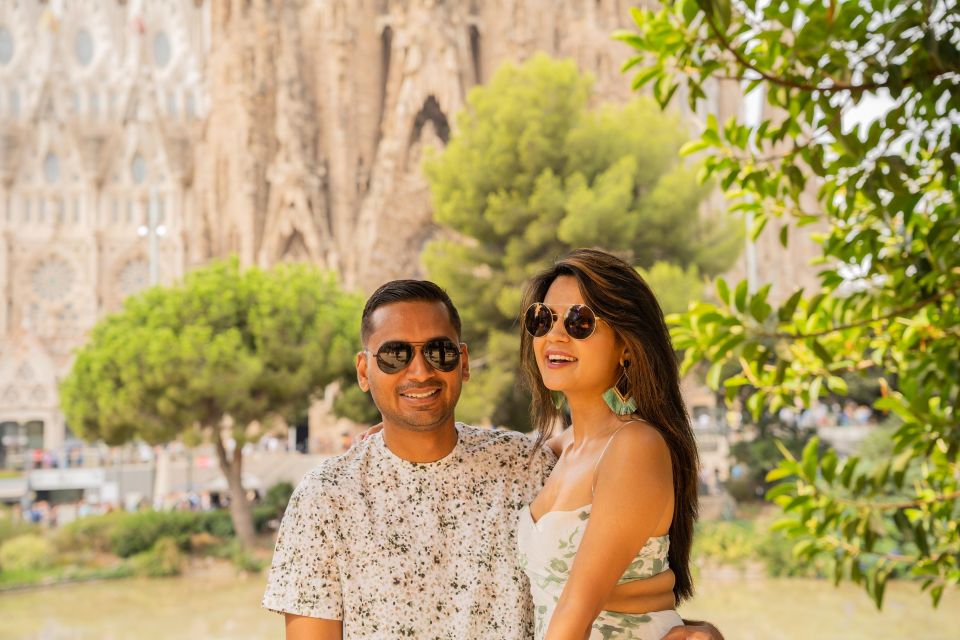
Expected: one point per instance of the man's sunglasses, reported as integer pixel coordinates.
(579, 320)
(394, 356)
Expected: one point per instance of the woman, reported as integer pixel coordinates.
(621, 501)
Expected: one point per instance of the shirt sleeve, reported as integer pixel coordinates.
(304, 579)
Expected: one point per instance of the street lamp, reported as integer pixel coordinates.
(153, 230)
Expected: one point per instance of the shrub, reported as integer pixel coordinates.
(161, 560)
(244, 560)
(737, 542)
(263, 516)
(204, 543)
(10, 528)
(726, 542)
(138, 532)
(25, 553)
(217, 523)
(278, 496)
(745, 489)
(776, 552)
(90, 532)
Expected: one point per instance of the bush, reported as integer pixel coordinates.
(10, 528)
(90, 532)
(263, 516)
(205, 543)
(138, 532)
(25, 553)
(244, 560)
(731, 543)
(745, 489)
(161, 560)
(278, 496)
(217, 523)
(776, 552)
(737, 542)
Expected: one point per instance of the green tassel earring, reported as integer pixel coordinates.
(559, 400)
(619, 403)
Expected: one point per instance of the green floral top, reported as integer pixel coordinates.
(547, 551)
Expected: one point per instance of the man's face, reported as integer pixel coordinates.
(418, 397)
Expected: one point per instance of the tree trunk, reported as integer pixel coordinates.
(240, 511)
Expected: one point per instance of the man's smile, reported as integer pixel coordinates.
(420, 394)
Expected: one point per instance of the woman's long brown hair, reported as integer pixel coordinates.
(617, 293)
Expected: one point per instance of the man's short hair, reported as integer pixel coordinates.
(406, 291)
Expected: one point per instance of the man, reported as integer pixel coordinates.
(410, 534)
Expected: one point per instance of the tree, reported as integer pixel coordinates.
(223, 353)
(888, 196)
(532, 172)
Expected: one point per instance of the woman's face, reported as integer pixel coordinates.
(576, 367)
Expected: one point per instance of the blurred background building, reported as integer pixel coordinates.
(140, 138)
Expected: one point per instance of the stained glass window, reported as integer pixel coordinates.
(6, 45)
(51, 168)
(83, 47)
(161, 49)
(53, 279)
(138, 169)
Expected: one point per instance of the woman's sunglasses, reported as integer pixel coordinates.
(579, 320)
(394, 356)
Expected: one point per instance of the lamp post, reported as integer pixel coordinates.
(153, 230)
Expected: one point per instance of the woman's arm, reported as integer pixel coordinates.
(634, 495)
(649, 594)
(304, 628)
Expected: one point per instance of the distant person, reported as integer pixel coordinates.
(411, 533)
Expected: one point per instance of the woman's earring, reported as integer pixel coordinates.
(617, 400)
(559, 400)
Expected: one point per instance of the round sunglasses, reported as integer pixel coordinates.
(579, 320)
(394, 356)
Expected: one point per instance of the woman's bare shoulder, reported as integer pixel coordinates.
(635, 442)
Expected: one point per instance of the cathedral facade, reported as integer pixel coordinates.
(101, 107)
(141, 138)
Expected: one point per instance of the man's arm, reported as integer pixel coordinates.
(304, 628)
(694, 630)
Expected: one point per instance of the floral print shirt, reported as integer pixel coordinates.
(397, 549)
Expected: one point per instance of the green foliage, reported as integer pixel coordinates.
(26, 553)
(888, 201)
(532, 172)
(50, 575)
(352, 403)
(138, 532)
(245, 561)
(762, 453)
(217, 523)
(278, 496)
(10, 528)
(227, 345)
(729, 543)
(91, 532)
(740, 542)
(162, 560)
(673, 285)
(248, 344)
